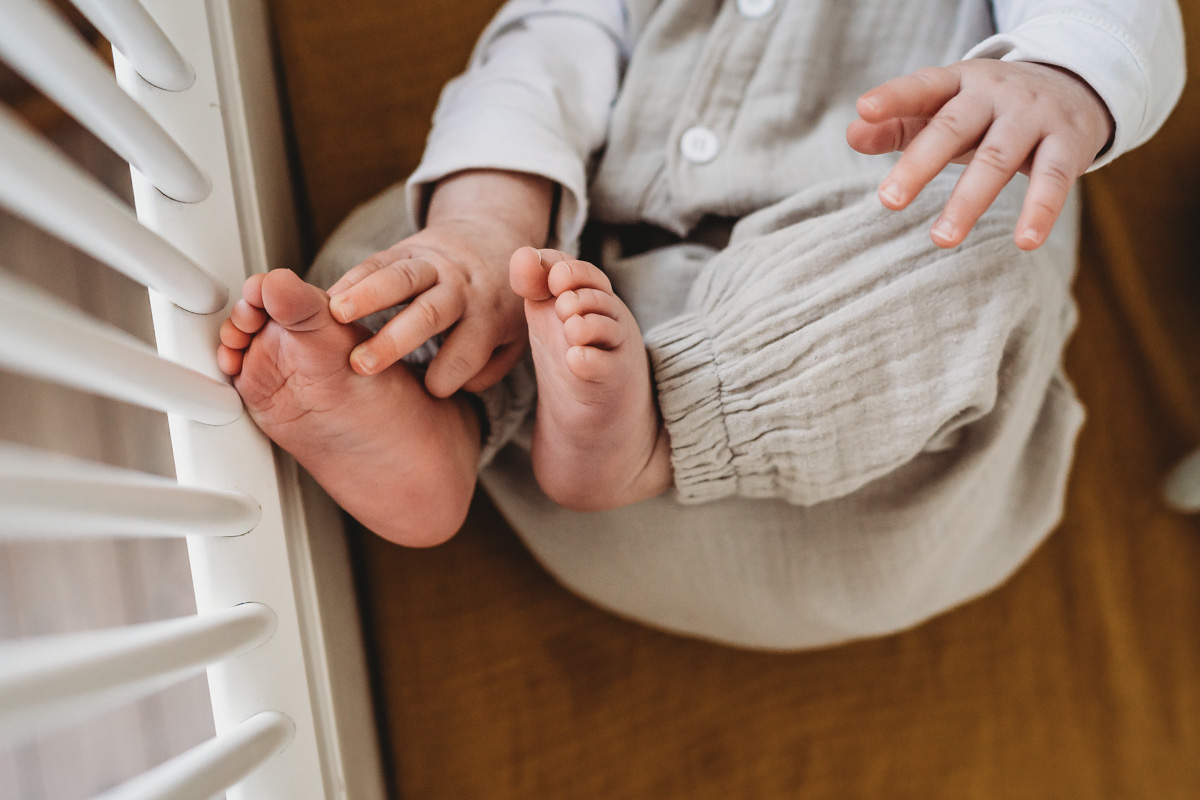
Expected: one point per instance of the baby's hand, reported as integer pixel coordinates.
(453, 276)
(999, 118)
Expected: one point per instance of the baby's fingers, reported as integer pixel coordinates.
(355, 275)
(997, 159)
(953, 131)
(378, 287)
(461, 357)
(1050, 180)
(920, 94)
(503, 359)
(430, 313)
(877, 138)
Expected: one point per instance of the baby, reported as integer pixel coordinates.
(868, 397)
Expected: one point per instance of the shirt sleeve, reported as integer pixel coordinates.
(831, 344)
(535, 98)
(1130, 52)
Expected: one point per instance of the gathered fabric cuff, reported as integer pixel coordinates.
(690, 397)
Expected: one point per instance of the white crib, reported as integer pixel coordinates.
(277, 628)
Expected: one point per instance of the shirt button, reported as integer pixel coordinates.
(755, 8)
(699, 145)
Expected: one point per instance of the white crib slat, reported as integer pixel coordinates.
(131, 29)
(81, 83)
(47, 496)
(47, 338)
(39, 184)
(215, 765)
(48, 681)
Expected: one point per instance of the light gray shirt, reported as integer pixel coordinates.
(775, 81)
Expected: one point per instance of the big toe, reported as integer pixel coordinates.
(294, 304)
(527, 274)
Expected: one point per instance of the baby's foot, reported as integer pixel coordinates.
(598, 441)
(401, 461)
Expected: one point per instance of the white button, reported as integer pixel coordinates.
(699, 145)
(755, 8)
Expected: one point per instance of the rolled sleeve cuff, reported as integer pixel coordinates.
(1096, 50)
(499, 138)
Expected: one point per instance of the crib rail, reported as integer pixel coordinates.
(44, 496)
(39, 184)
(275, 625)
(214, 766)
(78, 81)
(133, 32)
(50, 681)
(49, 339)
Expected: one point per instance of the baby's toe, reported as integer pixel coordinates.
(592, 364)
(527, 276)
(293, 303)
(252, 289)
(229, 359)
(594, 330)
(586, 301)
(247, 318)
(234, 337)
(574, 275)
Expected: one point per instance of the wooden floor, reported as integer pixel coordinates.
(1078, 679)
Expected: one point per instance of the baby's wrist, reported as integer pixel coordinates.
(510, 206)
(1107, 123)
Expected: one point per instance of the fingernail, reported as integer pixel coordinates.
(891, 192)
(341, 308)
(1031, 236)
(944, 230)
(870, 102)
(364, 359)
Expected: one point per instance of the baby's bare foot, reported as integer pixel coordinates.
(598, 441)
(401, 461)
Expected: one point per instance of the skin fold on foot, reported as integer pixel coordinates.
(399, 460)
(598, 440)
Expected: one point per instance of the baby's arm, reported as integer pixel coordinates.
(510, 137)
(1045, 97)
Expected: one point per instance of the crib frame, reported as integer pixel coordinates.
(295, 690)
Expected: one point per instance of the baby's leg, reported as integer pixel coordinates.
(399, 460)
(598, 441)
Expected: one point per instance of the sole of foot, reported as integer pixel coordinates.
(399, 460)
(598, 441)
